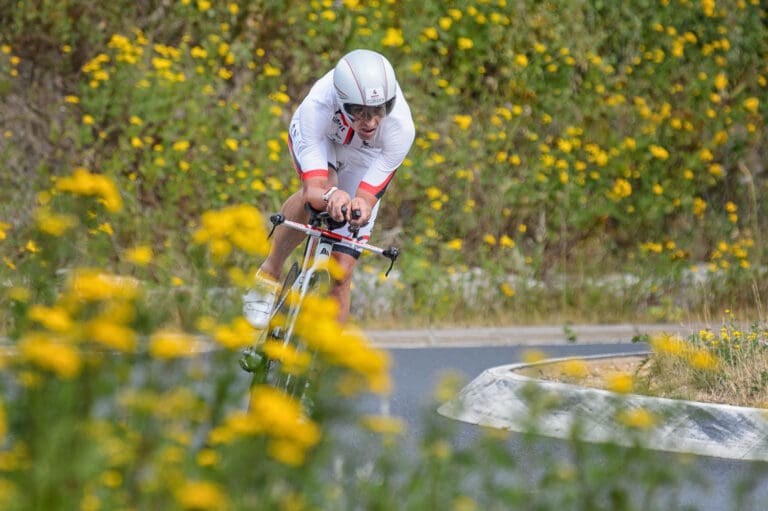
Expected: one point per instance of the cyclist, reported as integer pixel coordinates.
(347, 138)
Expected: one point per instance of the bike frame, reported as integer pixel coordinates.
(317, 253)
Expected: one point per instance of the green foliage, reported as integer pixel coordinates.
(572, 139)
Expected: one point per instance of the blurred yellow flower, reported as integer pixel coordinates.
(506, 241)
(430, 33)
(140, 255)
(53, 318)
(622, 383)
(201, 495)
(168, 344)
(507, 290)
(659, 152)
(393, 37)
(575, 368)
(752, 105)
(638, 418)
(111, 334)
(51, 354)
(237, 335)
(51, 223)
(454, 244)
(532, 356)
(82, 182)
(292, 360)
(463, 121)
(464, 43)
(383, 424)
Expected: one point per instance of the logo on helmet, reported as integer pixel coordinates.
(374, 96)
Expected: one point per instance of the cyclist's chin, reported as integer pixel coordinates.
(366, 134)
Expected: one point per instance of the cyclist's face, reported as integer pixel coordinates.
(366, 119)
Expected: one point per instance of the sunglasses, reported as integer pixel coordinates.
(361, 112)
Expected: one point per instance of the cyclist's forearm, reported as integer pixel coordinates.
(313, 191)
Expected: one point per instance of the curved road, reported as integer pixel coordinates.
(421, 357)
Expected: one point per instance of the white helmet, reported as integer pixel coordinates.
(364, 78)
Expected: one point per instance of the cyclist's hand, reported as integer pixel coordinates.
(359, 212)
(338, 200)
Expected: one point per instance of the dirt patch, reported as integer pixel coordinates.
(587, 373)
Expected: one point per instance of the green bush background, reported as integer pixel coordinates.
(557, 143)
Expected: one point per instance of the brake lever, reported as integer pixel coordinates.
(391, 253)
(276, 219)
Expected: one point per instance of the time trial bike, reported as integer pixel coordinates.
(310, 274)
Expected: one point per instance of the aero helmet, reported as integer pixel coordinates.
(364, 78)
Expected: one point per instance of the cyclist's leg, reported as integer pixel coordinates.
(286, 240)
(341, 289)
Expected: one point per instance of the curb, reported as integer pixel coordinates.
(523, 335)
(500, 398)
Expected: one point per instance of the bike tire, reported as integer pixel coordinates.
(293, 385)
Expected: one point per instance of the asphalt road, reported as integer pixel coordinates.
(420, 359)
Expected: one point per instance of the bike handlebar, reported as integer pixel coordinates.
(314, 229)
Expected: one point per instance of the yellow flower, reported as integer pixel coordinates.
(167, 344)
(383, 425)
(490, 239)
(619, 382)
(464, 43)
(430, 33)
(574, 368)
(270, 70)
(621, 189)
(95, 285)
(532, 356)
(140, 255)
(111, 334)
(463, 121)
(659, 152)
(53, 318)
(49, 353)
(752, 104)
(393, 37)
(232, 144)
(88, 119)
(454, 244)
(292, 360)
(201, 495)
(181, 146)
(721, 81)
(508, 290)
(506, 241)
(702, 359)
(521, 60)
(83, 182)
(638, 418)
(237, 335)
(4, 227)
(668, 344)
(53, 224)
